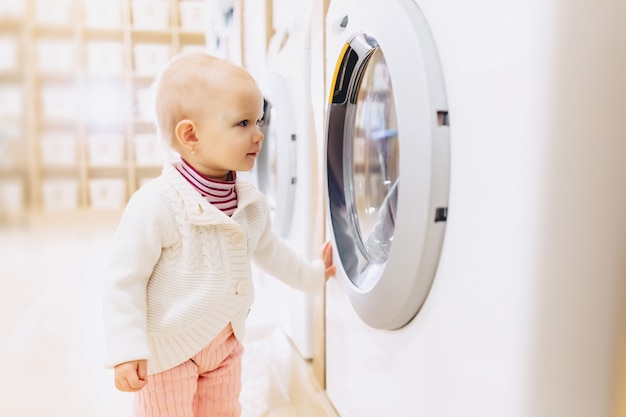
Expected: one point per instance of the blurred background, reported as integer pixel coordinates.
(75, 134)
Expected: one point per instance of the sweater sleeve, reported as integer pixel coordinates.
(274, 256)
(135, 250)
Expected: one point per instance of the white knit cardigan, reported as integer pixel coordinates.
(180, 271)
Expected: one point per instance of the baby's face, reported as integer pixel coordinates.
(228, 129)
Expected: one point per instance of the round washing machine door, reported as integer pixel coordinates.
(387, 156)
(276, 164)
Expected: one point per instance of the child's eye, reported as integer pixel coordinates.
(244, 123)
(260, 122)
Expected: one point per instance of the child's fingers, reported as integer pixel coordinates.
(135, 382)
(142, 370)
(131, 376)
(327, 257)
(327, 251)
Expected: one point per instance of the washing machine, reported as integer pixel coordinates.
(287, 169)
(223, 29)
(448, 141)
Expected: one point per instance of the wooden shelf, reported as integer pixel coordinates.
(93, 33)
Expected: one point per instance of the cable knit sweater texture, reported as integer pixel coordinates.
(180, 271)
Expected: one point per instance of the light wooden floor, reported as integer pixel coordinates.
(51, 343)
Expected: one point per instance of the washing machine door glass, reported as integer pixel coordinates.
(363, 162)
(375, 168)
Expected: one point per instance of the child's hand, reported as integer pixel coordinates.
(131, 376)
(327, 257)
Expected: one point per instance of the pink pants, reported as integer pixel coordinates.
(207, 385)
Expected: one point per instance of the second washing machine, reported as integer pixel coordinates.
(287, 169)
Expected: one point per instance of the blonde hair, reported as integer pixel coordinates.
(186, 86)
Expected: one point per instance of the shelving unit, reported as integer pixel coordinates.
(75, 134)
(13, 123)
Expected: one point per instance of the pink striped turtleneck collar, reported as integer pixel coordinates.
(221, 194)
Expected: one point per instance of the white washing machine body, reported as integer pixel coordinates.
(287, 167)
(434, 309)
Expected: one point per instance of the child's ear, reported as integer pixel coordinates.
(186, 134)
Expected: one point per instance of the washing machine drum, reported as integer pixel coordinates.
(387, 158)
